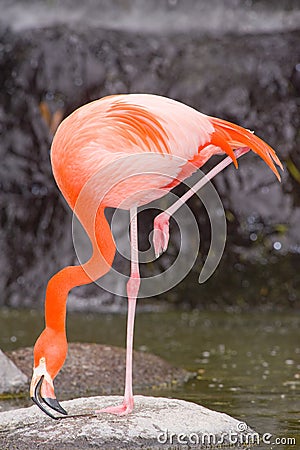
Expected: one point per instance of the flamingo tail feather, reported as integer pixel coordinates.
(229, 136)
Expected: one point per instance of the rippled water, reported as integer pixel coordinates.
(248, 365)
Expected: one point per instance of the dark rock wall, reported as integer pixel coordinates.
(249, 76)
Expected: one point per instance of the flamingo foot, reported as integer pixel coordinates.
(120, 410)
(161, 233)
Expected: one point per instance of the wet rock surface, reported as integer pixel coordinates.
(12, 379)
(93, 369)
(154, 423)
(246, 73)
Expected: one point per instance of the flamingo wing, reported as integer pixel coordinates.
(103, 136)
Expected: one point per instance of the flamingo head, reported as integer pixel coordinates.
(50, 353)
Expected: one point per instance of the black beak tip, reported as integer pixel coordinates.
(37, 402)
(51, 402)
(54, 404)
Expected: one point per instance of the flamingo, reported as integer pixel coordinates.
(124, 151)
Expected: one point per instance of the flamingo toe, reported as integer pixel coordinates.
(161, 233)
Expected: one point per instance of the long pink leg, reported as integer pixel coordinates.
(132, 291)
(161, 222)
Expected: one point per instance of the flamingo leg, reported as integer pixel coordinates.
(132, 291)
(161, 222)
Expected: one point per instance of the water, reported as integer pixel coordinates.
(156, 16)
(247, 364)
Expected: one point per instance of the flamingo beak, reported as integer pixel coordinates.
(42, 394)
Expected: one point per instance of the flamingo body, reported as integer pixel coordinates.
(123, 136)
(123, 151)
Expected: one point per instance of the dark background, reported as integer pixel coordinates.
(238, 60)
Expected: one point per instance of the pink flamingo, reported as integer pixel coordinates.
(124, 151)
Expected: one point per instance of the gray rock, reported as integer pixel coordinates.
(94, 369)
(154, 423)
(12, 380)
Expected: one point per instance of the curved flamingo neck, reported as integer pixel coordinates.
(63, 281)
